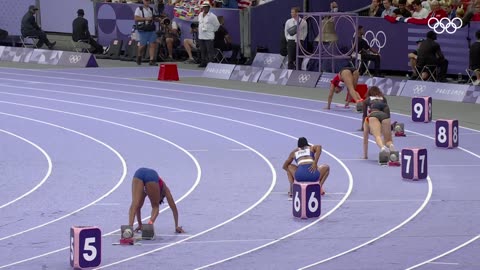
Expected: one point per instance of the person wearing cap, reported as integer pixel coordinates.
(207, 26)
(80, 32)
(430, 54)
(306, 157)
(412, 57)
(30, 28)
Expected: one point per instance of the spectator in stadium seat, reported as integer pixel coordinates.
(333, 7)
(402, 9)
(375, 9)
(419, 11)
(389, 8)
(80, 32)
(475, 57)
(437, 10)
(223, 41)
(476, 11)
(451, 12)
(429, 53)
(3, 34)
(191, 44)
(367, 52)
(30, 28)
(412, 57)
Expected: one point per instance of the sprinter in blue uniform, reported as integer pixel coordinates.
(306, 156)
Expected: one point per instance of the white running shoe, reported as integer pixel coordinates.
(476, 82)
(392, 147)
(385, 149)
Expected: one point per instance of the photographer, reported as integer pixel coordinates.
(191, 44)
(145, 24)
(168, 35)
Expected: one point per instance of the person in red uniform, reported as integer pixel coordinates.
(347, 77)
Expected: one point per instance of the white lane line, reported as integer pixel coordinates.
(446, 263)
(120, 181)
(248, 124)
(155, 87)
(446, 253)
(289, 118)
(273, 182)
(251, 100)
(424, 204)
(47, 174)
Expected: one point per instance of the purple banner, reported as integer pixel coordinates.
(325, 78)
(47, 57)
(472, 95)
(11, 14)
(270, 60)
(390, 87)
(266, 30)
(115, 21)
(61, 22)
(218, 71)
(303, 78)
(275, 76)
(442, 91)
(246, 73)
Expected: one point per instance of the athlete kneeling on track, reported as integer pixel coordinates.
(376, 120)
(306, 156)
(347, 77)
(147, 183)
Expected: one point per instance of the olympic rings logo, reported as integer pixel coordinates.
(303, 78)
(418, 89)
(74, 58)
(445, 24)
(268, 60)
(378, 40)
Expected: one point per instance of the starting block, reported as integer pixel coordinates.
(394, 159)
(389, 158)
(127, 235)
(399, 129)
(148, 232)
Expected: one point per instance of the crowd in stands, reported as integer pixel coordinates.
(241, 4)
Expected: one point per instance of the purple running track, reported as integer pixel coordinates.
(221, 152)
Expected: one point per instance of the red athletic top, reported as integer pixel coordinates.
(337, 82)
(160, 183)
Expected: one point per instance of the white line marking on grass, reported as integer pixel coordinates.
(47, 174)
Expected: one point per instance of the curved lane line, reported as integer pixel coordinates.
(49, 170)
(274, 177)
(446, 253)
(424, 204)
(276, 104)
(88, 205)
(188, 92)
(232, 120)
